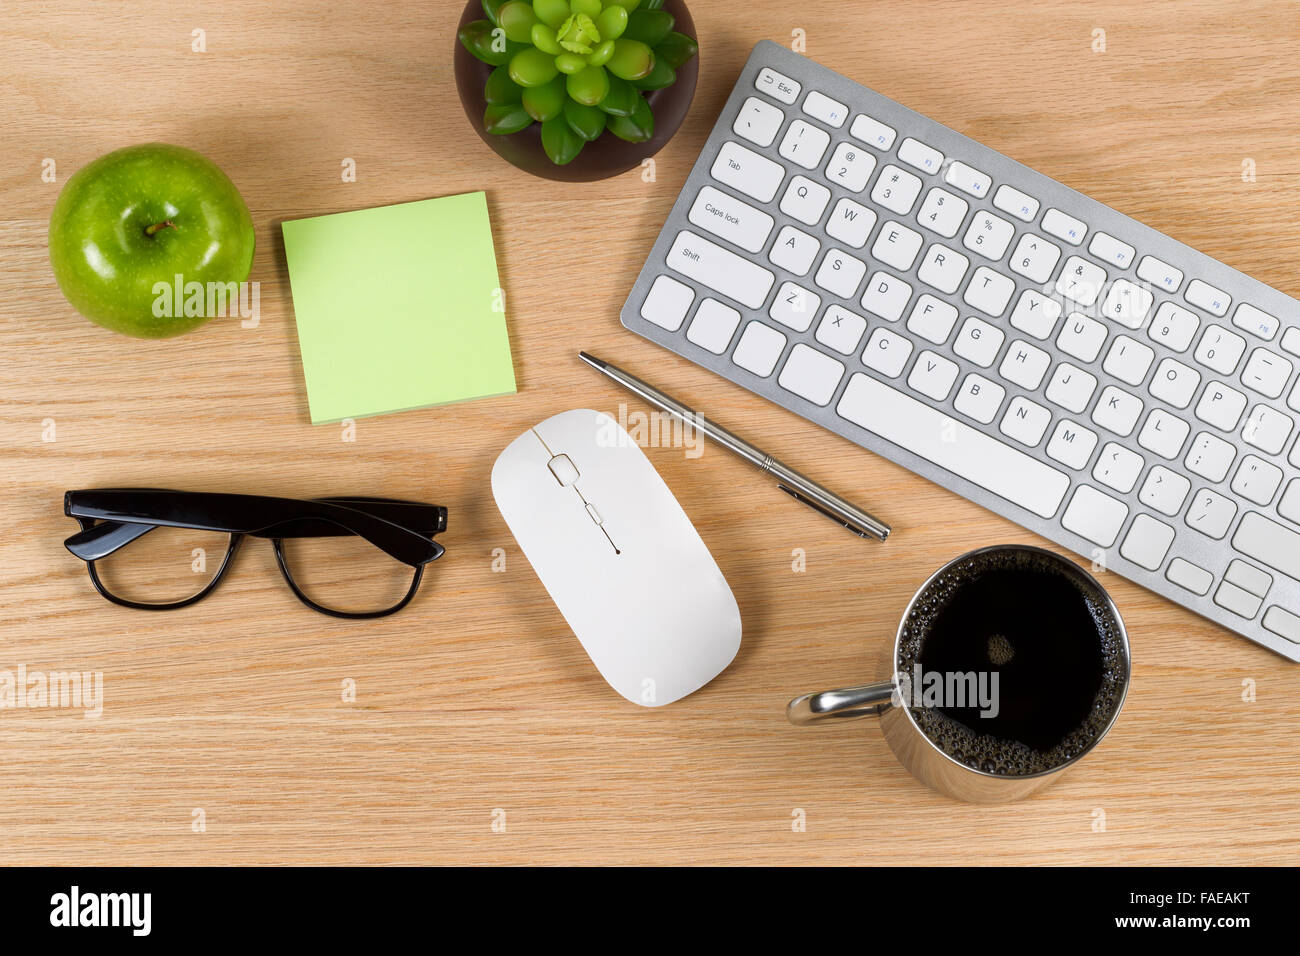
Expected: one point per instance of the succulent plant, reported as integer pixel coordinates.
(577, 67)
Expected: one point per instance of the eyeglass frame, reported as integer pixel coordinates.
(112, 518)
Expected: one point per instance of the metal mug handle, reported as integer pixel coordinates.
(847, 703)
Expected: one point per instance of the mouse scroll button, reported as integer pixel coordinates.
(563, 470)
(595, 515)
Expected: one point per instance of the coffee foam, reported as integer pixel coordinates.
(998, 755)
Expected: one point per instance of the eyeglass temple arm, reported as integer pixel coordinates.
(99, 542)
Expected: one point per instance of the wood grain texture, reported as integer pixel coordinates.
(477, 697)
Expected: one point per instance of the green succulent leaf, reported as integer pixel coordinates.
(578, 34)
(499, 88)
(661, 76)
(628, 5)
(588, 86)
(490, 8)
(638, 127)
(551, 12)
(622, 98)
(480, 38)
(589, 7)
(501, 119)
(560, 143)
(570, 63)
(517, 18)
(587, 121)
(544, 39)
(650, 5)
(531, 67)
(676, 49)
(632, 59)
(612, 22)
(600, 56)
(545, 102)
(648, 26)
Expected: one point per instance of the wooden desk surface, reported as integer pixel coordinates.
(477, 698)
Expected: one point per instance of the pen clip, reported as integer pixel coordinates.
(828, 513)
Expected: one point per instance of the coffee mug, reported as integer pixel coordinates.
(1011, 663)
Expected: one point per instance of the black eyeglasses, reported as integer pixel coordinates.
(349, 557)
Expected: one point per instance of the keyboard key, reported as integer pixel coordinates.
(806, 200)
(822, 107)
(1164, 434)
(1220, 349)
(729, 218)
(979, 398)
(1267, 429)
(1082, 337)
(794, 250)
(1174, 383)
(1267, 373)
(1118, 468)
(886, 352)
(713, 326)
(1189, 576)
(1012, 201)
(850, 223)
(1289, 506)
(1025, 421)
(745, 171)
(1207, 297)
(720, 269)
(1065, 227)
(811, 375)
(1255, 321)
(953, 445)
(989, 235)
(932, 319)
(1117, 411)
(1221, 406)
(915, 153)
(1268, 542)
(968, 179)
(897, 246)
(942, 212)
(758, 121)
(758, 349)
(1165, 491)
(1072, 444)
(1160, 274)
(841, 330)
(943, 268)
(1128, 360)
(1291, 340)
(1147, 542)
(850, 166)
(777, 85)
(1071, 388)
(1173, 327)
(1035, 258)
(1081, 281)
(1237, 600)
(840, 273)
(1127, 304)
(1111, 251)
(872, 132)
(932, 375)
(1282, 623)
(667, 303)
(1211, 514)
(1210, 457)
(1249, 578)
(1257, 480)
(1095, 516)
(794, 306)
(989, 291)
(886, 296)
(896, 189)
(979, 342)
(804, 144)
(1025, 365)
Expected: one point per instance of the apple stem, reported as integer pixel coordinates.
(159, 226)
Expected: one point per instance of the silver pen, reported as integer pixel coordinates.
(788, 480)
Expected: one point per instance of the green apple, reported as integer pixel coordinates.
(128, 224)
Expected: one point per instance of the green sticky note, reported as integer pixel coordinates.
(398, 307)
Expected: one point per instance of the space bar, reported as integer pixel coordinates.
(953, 446)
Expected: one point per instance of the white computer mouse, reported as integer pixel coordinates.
(619, 557)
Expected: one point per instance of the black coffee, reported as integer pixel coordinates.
(1015, 665)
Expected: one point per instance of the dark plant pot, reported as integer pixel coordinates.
(606, 156)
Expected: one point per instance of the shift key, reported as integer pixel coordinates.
(720, 269)
(1269, 542)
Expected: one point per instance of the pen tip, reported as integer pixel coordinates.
(591, 360)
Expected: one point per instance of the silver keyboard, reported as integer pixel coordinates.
(997, 332)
